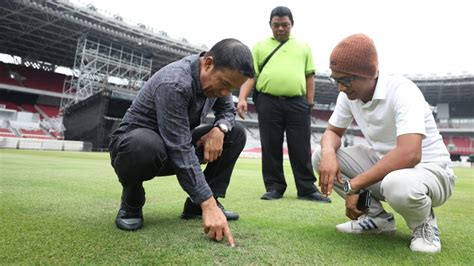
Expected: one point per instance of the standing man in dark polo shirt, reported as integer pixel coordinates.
(159, 135)
(285, 98)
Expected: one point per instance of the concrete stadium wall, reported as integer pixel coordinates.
(46, 144)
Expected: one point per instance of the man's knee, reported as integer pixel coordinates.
(141, 142)
(400, 190)
(138, 153)
(238, 135)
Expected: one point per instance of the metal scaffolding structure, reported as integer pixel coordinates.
(48, 30)
(101, 65)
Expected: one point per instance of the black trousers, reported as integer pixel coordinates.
(277, 115)
(140, 155)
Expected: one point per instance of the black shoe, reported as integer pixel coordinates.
(193, 211)
(271, 195)
(316, 196)
(129, 218)
(231, 216)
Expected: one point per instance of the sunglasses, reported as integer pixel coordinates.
(346, 81)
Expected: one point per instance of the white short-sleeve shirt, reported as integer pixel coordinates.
(397, 107)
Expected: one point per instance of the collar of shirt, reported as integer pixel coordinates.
(380, 92)
(274, 39)
(195, 72)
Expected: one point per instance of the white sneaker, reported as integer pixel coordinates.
(426, 237)
(381, 224)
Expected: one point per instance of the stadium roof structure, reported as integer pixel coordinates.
(435, 89)
(48, 31)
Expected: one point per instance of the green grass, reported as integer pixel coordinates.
(59, 208)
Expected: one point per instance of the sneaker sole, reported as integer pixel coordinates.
(426, 251)
(376, 232)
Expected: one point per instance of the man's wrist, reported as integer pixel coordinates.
(208, 203)
(223, 128)
(349, 189)
(356, 184)
(328, 151)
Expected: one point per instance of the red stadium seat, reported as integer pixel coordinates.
(9, 105)
(6, 132)
(49, 110)
(34, 134)
(32, 78)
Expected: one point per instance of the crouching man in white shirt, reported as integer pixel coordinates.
(406, 163)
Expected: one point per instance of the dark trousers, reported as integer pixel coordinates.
(277, 115)
(140, 155)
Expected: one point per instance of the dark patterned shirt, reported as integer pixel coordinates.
(172, 104)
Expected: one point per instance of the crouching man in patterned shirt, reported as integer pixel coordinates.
(406, 163)
(159, 135)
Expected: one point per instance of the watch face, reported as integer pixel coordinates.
(224, 128)
(346, 186)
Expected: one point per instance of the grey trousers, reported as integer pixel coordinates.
(411, 192)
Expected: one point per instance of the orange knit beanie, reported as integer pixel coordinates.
(355, 55)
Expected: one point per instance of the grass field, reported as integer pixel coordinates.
(59, 208)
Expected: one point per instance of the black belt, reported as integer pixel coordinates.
(281, 97)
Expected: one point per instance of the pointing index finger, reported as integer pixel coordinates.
(229, 236)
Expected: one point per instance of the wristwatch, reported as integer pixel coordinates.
(223, 128)
(348, 189)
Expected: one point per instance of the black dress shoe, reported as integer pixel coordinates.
(271, 195)
(193, 211)
(129, 218)
(231, 216)
(316, 196)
